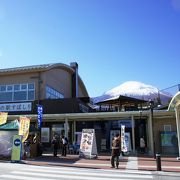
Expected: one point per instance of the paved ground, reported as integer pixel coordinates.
(169, 164)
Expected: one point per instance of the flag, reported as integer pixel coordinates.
(40, 115)
(24, 127)
(3, 117)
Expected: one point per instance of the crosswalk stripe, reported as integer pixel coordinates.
(132, 163)
(53, 173)
(9, 176)
(92, 170)
(37, 178)
(76, 173)
(44, 177)
(50, 173)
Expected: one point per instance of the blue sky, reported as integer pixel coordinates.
(113, 41)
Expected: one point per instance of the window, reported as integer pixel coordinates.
(23, 86)
(17, 87)
(53, 94)
(9, 88)
(31, 86)
(17, 92)
(167, 128)
(2, 88)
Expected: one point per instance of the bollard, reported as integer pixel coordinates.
(158, 162)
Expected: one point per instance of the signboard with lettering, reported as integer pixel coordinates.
(24, 127)
(123, 143)
(88, 147)
(40, 115)
(3, 117)
(9, 107)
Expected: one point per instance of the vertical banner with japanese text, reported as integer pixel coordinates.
(40, 115)
(24, 127)
(123, 143)
(3, 117)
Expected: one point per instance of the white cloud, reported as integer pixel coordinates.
(176, 4)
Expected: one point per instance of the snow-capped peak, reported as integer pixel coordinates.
(136, 90)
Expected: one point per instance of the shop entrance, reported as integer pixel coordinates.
(140, 132)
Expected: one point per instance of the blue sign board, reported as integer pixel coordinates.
(17, 142)
(40, 115)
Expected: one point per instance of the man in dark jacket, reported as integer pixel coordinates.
(64, 145)
(55, 144)
(116, 149)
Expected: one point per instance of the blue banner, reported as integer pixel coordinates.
(40, 115)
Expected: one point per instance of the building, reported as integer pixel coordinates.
(23, 87)
(66, 109)
(56, 87)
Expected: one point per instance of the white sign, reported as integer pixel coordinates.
(123, 143)
(16, 107)
(128, 141)
(45, 134)
(88, 147)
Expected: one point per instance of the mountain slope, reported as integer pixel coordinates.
(136, 90)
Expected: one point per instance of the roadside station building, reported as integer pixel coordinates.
(67, 109)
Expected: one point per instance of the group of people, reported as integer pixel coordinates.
(56, 142)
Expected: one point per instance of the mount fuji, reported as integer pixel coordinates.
(136, 90)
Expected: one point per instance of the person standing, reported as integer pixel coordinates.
(64, 145)
(116, 149)
(55, 145)
(142, 145)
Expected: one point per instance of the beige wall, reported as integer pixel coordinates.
(21, 78)
(58, 78)
(159, 126)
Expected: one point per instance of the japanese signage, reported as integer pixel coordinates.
(16, 107)
(88, 147)
(127, 142)
(24, 127)
(3, 117)
(123, 142)
(40, 115)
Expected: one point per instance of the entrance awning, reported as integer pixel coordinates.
(175, 102)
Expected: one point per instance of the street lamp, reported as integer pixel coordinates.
(151, 105)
